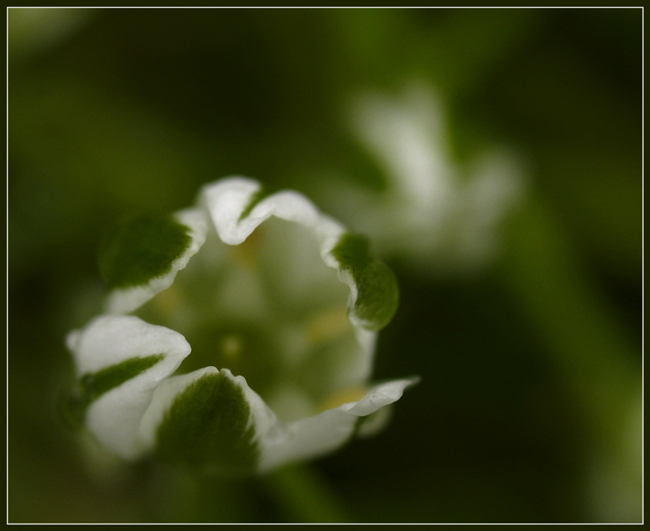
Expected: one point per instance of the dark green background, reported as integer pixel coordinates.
(133, 110)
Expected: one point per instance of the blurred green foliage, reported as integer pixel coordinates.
(529, 366)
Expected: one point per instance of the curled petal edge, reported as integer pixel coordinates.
(238, 205)
(323, 433)
(120, 301)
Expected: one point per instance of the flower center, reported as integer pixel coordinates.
(269, 310)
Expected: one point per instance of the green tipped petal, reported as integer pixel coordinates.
(142, 256)
(377, 292)
(93, 385)
(207, 426)
(96, 384)
(211, 421)
(120, 361)
(140, 249)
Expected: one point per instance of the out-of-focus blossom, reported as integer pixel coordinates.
(32, 30)
(433, 211)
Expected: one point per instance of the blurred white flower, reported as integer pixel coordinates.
(434, 212)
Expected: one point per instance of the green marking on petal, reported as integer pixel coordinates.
(207, 428)
(140, 249)
(378, 293)
(96, 384)
(93, 385)
(255, 198)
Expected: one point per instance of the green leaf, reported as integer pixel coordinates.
(207, 428)
(140, 249)
(378, 293)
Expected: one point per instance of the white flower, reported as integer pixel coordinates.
(280, 306)
(432, 212)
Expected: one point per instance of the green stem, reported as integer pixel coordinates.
(593, 353)
(304, 496)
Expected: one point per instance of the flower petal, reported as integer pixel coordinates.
(323, 433)
(142, 256)
(207, 420)
(213, 421)
(374, 292)
(120, 360)
(238, 205)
